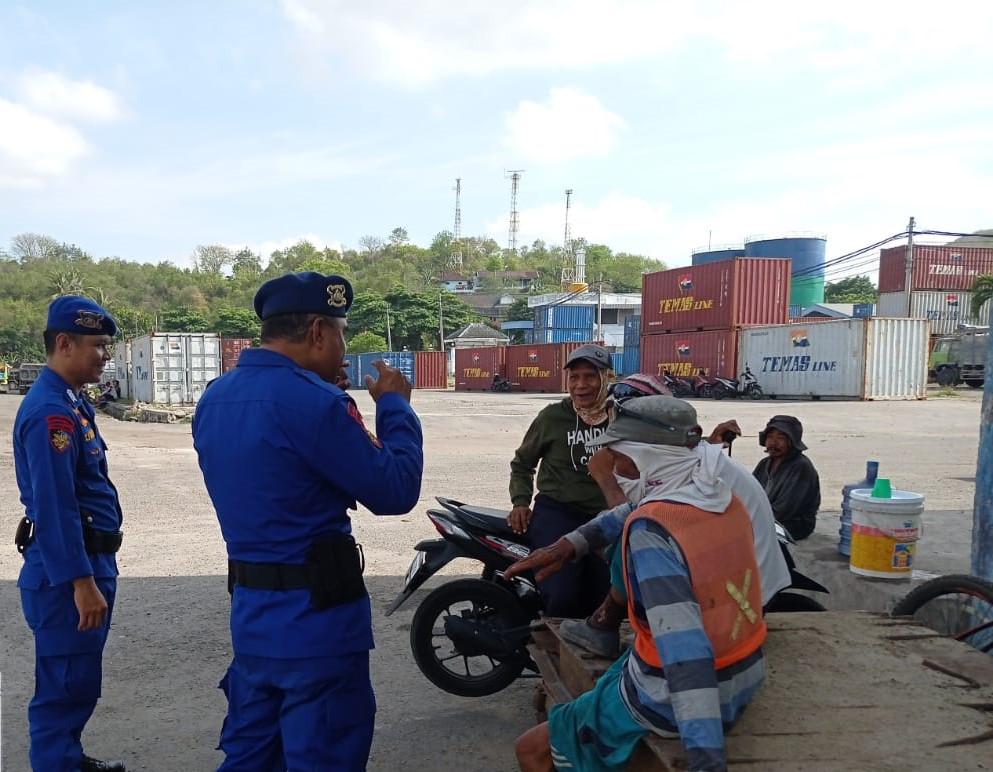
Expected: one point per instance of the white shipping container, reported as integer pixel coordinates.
(174, 368)
(122, 367)
(869, 358)
(946, 309)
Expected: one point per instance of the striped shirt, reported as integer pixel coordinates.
(687, 695)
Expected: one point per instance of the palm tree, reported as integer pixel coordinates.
(982, 291)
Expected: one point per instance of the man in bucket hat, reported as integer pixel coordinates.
(697, 658)
(789, 478)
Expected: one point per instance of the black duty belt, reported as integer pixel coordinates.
(94, 541)
(267, 576)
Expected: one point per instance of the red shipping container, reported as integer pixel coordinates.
(430, 370)
(712, 296)
(539, 366)
(936, 267)
(686, 353)
(231, 348)
(475, 367)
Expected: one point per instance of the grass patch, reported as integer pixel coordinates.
(945, 391)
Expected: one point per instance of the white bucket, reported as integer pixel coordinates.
(885, 533)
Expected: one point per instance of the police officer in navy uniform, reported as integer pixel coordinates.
(285, 454)
(69, 535)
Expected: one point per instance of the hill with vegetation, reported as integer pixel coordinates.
(215, 294)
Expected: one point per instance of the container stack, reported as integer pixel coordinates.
(173, 368)
(231, 349)
(941, 281)
(690, 316)
(563, 323)
(630, 361)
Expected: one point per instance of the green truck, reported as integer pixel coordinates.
(960, 358)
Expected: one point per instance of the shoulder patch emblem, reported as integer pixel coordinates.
(60, 431)
(353, 411)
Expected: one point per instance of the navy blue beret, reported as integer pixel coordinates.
(307, 292)
(79, 315)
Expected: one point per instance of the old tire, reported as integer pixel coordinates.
(948, 376)
(956, 605)
(485, 604)
(719, 391)
(975, 383)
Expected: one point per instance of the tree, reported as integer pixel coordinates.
(182, 319)
(32, 246)
(982, 291)
(211, 258)
(854, 289)
(237, 323)
(365, 341)
(518, 311)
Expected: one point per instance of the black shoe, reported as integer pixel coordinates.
(95, 765)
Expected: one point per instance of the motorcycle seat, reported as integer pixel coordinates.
(490, 519)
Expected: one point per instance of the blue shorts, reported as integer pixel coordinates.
(595, 732)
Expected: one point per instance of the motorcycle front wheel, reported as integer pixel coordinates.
(755, 391)
(490, 629)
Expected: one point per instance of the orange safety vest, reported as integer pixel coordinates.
(719, 551)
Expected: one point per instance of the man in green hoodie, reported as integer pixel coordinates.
(556, 446)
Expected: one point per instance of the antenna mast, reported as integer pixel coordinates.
(455, 258)
(568, 268)
(515, 223)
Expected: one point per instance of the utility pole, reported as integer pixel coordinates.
(982, 512)
(441, 324)
(908, 279)
(389, 335)
(599, 308)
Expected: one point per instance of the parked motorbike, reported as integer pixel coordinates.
(745, 385)
(469, 636)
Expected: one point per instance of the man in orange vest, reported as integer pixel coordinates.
(694, 604)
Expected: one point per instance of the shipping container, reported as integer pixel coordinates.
(716, 296)
(686, 353)
(862, 310)
(632, 360)
(173, 368)
(945, 310)
(475, 367)
(796, 310)
(869, 358)
(430, 370)
(564, 316)
(231, 348)
(122, 367)
(632, 330)
(401, 360)
(944, 267)
(617, 362)
(560, 335)
(539, 367)
(352, 370)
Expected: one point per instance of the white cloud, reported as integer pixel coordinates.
(568, 125)
(417, 43)
(53, 94)
(34, 148)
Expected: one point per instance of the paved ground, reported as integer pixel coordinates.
(169, 644)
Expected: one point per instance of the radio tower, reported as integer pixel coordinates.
(568, 269)
(515, 223)
(455, 258)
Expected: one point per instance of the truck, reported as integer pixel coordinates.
(27, 374)
(960, 358)
(4, 378)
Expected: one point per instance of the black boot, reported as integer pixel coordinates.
(89, 764)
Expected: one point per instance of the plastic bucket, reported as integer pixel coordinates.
(885, 533)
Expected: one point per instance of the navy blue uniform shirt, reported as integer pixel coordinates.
(61, 468)
(284, 455)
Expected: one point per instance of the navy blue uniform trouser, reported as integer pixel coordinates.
(578, 588)
(298, 714)
(67, 683)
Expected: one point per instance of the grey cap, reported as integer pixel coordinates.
(788, 425)
(596, 355)
(654, 420)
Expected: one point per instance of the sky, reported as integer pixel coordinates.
(141, 130)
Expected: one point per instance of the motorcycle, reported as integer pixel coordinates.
(746, 385)
(469, 636)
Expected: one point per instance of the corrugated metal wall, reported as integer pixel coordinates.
(896, 359)
(944, 309)
(174, 368)
(686, 353)
(475, 367)
(936, 267)
(430, 370)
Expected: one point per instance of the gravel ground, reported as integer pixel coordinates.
(169, 642)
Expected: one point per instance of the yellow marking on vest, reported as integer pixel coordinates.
(741, 598)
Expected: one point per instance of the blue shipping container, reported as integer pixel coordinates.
(630, 363)
(860, 310)
(353, 371)
(565, 317)
(617, 362)
(796, 310)
(632, 330)
(562, 336)
(401, 360)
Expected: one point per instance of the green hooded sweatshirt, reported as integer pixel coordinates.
(557, 439)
